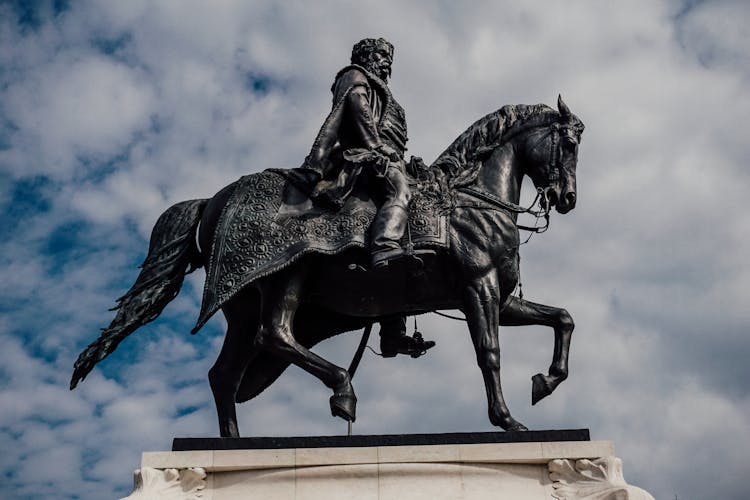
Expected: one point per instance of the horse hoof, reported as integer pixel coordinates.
(516, 427)
(507, 423)
(540, 388)
(510, 424)
(344, 405)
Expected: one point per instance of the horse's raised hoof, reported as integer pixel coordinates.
(540, 388)
(344, 406)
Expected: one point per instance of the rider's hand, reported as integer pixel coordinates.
(389, 152)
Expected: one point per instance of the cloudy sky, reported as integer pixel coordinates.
(112, 111)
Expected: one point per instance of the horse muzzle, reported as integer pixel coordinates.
(564, 200)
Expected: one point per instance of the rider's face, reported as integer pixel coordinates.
(381, 61)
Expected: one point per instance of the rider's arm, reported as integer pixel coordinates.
(358, 108)
(354, 87)
(364, 123)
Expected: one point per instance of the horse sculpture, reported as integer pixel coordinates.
(274, 319)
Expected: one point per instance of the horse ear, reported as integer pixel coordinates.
(564, 110)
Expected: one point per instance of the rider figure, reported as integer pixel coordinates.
(365, 136)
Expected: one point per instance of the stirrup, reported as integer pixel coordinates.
(415, 346)
(382, 258)
(415, 256)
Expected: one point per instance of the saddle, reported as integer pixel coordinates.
(269, 223)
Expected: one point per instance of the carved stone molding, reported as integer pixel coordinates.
(599, 479)
(168, 484)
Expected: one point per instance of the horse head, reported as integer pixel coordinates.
(551, 156)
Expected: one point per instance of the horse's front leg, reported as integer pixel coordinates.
(482, 308)
(519, 312)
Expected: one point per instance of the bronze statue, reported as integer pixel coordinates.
(289, 270)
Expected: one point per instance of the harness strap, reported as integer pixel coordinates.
(512, 207)
(493, 200)
(553, 166)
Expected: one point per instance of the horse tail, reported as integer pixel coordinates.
(172, 254)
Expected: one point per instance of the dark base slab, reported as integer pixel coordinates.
(266, 443)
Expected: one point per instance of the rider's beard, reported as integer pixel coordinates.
(381, 72)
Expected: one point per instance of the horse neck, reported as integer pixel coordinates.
(501, 174)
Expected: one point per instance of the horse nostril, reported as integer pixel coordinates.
(570, 198)
(552, 197)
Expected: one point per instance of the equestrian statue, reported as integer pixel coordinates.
(357, 235)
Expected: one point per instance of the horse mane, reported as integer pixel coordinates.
(461, 161)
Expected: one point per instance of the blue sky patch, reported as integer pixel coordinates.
(34, 13)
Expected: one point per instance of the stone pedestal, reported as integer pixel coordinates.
(538, 470)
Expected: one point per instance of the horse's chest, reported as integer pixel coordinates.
(483, 241)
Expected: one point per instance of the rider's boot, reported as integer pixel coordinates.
(394, 340)
(387, 230)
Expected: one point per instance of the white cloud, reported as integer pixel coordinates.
(78, 107)
(713, 33)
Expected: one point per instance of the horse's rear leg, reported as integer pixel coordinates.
(225, 376)
(280, 298)
(519, 312)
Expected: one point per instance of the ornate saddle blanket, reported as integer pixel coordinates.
(268, 224)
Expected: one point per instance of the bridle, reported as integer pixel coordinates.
(542, 194)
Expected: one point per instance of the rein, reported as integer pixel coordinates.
(553, 175)
(507, 206)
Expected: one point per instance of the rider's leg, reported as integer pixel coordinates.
(389, 224)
